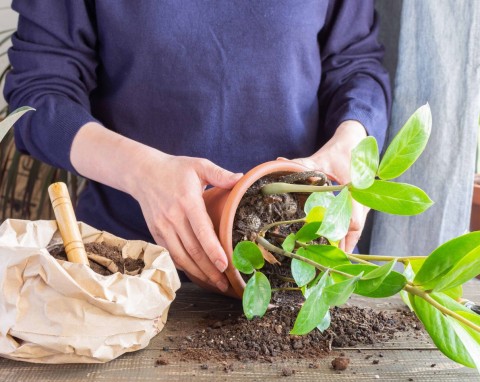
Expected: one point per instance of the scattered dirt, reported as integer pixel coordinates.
(104, 259)
(340, 363)
(265, 339)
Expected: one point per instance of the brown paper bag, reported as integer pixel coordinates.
(59, 312)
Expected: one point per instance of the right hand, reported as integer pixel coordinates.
(171, 200)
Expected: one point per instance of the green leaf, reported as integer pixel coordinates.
(322, 199)
(10, 120)
(313, 310)
(316, 214)
(302, 272)
(364, 163)
(464, 270)
(247, 257)
(441, 331)
(375, 278)
(444, 258)
(390, 285)
(338, 293)
(337, 218)
(469, 338)
(407, 145)
(393, 198)
(325, 323)
(289, 243)
(308, 232)
(455, 293)
(256, 296)
(409, 274)
(326, 255)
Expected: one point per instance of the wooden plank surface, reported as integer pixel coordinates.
(404, 358)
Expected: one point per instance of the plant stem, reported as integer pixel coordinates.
(420, 293)
(274, 224)
(389, 258)
(283, 278)
(272, 248)
(282, 188)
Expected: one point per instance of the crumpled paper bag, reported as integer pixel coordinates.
(59, 312)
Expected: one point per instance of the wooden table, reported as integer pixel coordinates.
(404, 359)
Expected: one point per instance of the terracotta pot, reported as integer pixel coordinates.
(475, 215)
(222, 205)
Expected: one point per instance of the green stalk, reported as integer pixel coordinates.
(388, 258)
(272, 248)
(285, 289)
(421, 293)
(283, 188)
(283, 222)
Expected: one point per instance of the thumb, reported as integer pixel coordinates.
(217, 176)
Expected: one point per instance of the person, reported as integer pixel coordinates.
(154, 100)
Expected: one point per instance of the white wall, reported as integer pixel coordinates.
(8, 20)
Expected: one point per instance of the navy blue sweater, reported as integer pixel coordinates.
(238, 82)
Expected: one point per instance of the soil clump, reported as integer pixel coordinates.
(104, 259)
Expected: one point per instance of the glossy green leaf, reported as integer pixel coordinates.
(326, 255)
(469, 338)
(390, 285)
(456, 292)
(338, 293)
(444, 258)
(325, 323)
(441, 331)
(364, 163)
(313, 310)
(337, 218)
(247, 257)
(474, 318)
(393, 198)
(256, 296)
(302, 272)
(322, 199)
(316, 214)
(409, 274)
(407, 145)
(376, 277)
(289, 243)
(10, 120)
(464, 270)
(308, 232)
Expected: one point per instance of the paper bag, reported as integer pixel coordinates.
(59, 312)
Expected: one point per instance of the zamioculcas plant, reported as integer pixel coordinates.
(327, 276)
(10, 120)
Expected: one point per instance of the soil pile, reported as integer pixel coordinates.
(268, 338)
(104, 259)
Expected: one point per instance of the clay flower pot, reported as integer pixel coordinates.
(475, 216)
(222, 205)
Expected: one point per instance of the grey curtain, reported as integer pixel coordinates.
(433, 54)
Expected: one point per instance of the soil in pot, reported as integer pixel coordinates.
(104, 259)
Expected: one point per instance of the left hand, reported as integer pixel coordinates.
(334, 160)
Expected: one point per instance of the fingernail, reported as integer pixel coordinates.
(222, 285)
(281, 158)
(220, 265)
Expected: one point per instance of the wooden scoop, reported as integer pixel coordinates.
(67, 223)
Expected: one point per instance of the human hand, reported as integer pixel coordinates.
(334, 160)
(171, 200)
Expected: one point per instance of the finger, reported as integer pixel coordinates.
(199, 257)
(217, 176)
(203, 229)
(359, 215)
(182, 259)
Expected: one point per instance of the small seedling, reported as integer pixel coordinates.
(431, 285)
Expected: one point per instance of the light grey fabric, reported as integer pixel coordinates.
(438, 63)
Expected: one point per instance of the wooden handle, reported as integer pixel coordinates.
(67, 223)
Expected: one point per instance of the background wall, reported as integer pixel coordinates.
(8, 20)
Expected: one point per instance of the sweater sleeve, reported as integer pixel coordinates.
(53, 70)
(354, 84)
